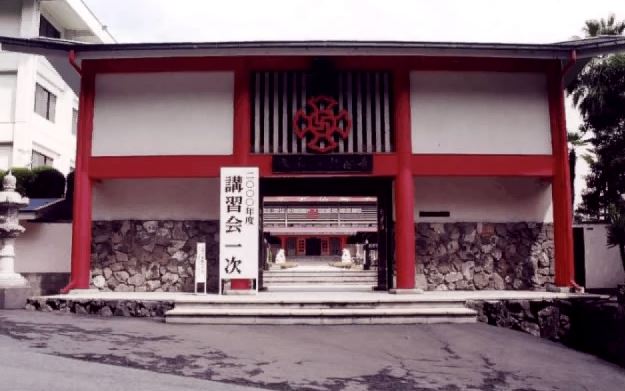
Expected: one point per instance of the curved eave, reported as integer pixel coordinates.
(304, 48)
(58, 50)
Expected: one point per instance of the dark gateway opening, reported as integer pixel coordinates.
(326, 227)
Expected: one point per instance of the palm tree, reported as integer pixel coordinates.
(575, 140)
(586, 90)
(609, 26)
(597, 92)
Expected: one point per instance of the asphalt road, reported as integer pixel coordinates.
(65, 352)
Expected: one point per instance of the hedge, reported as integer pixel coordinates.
(40, 182)
(24, 178)
(48, 182)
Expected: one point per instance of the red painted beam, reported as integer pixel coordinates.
(163, 64)
(112, 167)
(482, 165)
(276, 63)
(119, 167)
(561, 189)
(383, 165)
(431, 63)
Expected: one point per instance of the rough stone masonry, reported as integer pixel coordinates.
(156, 256)
(151, 256)
(468, 256)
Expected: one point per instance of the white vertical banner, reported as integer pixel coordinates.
(238, 224)
(200, 265)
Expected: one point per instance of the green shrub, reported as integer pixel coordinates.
(47, 182)
(24, 178)
(69, 193)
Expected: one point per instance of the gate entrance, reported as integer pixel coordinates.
(327, 232)
(313, 246)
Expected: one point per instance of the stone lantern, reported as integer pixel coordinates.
(14, 289)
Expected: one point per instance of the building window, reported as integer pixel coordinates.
(39, 159)
(46, 29)
(74, 121)
(45, 103)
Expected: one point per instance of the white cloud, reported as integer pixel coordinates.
(411, 20)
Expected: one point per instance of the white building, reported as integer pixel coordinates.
(38, 110)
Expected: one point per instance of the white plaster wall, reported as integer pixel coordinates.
(7, 97)
(484, 199)
(479, 113)
(156, 199)
(603, 265)
(6, 152)
(10, 15)
(44, 248)
(7, 111)
(181, 113)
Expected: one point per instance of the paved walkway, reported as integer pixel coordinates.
(27, 370)
(423, 357)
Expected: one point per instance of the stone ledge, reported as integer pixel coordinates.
(593, 325)
(128, 308)
(14, 298)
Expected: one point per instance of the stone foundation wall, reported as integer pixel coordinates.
(592, 325)
(151, 256)
(473, 256)
(128, 308)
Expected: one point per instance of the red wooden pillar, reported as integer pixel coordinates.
(343, 242)
(241, 137)
(283, 242)
(561, 184)
(404, 185)
(301, 245)
(325, 246)
(81, 225)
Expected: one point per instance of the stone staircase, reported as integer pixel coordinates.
(309, 308)
(319, 280)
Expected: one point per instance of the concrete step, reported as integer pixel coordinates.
(280, 274)
(320, 316)
(312, 280)
(324, 270)
(240, 302)
(319, 287)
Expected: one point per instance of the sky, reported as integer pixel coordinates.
(411, 20)
(520, 21)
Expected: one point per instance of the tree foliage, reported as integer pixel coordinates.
(609, 26)
(599, 94)
(574, 140)
(616, 228)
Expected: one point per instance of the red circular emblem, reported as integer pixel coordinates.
(321, 120)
